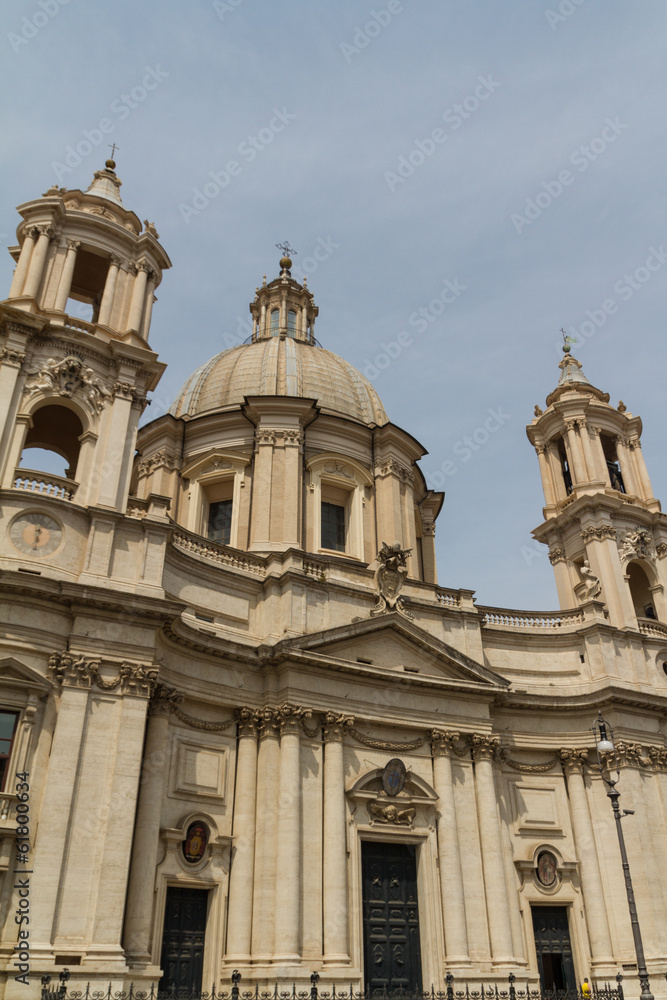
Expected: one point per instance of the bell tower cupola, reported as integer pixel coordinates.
(606, 534)
(283, 308)
(83, 252)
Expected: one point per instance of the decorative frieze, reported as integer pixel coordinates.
(83, 673)
(525, 768)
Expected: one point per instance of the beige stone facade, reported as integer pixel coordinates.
(231, 635)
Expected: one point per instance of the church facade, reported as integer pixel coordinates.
(243, 726)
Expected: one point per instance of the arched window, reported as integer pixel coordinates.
(640, 591)
(291, 323)
(275, 322)
(52, 444)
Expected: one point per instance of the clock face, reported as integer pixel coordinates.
(35, 534)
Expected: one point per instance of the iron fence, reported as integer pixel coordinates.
(452, 991)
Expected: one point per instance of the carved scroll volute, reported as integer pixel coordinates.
(335, 726)
(573, 760)
(484, 747)
(443, 743)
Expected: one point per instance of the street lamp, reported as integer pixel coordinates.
(604, 743)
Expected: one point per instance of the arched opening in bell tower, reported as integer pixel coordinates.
(88, 281)
(613, 464)
(565, 466)
(52, 444)
(640, 591)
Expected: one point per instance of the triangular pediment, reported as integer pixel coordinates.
(395, 645)
(13, 673)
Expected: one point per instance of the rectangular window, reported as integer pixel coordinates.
(220, 521)
(333, 527)
(8, 722)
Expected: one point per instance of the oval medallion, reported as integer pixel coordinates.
(194, 845)
(547, 869)
(393, 776)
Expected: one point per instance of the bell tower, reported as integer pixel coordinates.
(606, 534)
(71, 386)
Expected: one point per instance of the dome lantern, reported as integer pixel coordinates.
(283, 308)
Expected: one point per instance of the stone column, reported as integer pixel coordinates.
(642, 472)
(109, 292)
(138, 296)
(627, 470)
(146, 843)
(545, 472)
(589, 457)
(451, 875)
(260, 526)
(239, 923)
(557, 559)
(574, 453)
(591, 881)
(65, 283)
(264, 890)
(288, 862)
(37, 261)
(484, 749)
(293, 472)
(334, 861)
(150, 301)
(21, 271)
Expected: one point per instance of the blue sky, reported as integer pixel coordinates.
(342, 121)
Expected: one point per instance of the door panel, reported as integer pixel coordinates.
(392, 953)
(553, 947)
(183, 938)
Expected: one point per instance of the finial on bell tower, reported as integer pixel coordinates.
(600, 513)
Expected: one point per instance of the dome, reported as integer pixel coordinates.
(280, 366)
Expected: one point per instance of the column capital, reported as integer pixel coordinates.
(442, 743)
(73, 244)
(247, 721)
(598, 532)
(484, 747)
(556, 554)
(540, 449)
(573, 760)
(116, 260)
(267, 724)
(15, 358)
(46, 230)
(335, 726)
(71, 670)
(163, 700)
(289, 718)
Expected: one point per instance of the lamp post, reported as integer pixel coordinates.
(604, 743)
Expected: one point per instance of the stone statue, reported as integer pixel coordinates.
(593, 585)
